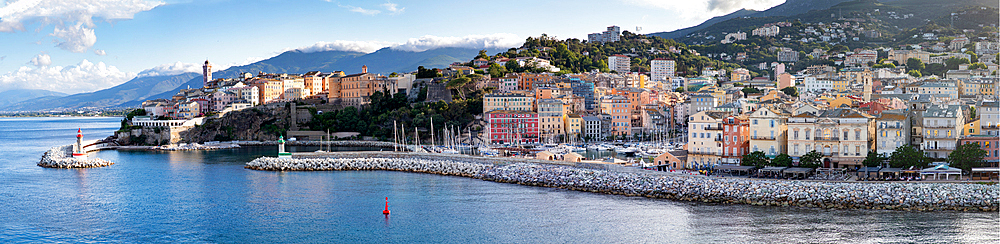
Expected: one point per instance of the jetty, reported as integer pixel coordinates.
(613, 179)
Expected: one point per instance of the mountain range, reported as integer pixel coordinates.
(825, 11)
(788, 8)
(139, 89)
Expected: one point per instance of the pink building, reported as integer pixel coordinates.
(989, 144)
(512, 126)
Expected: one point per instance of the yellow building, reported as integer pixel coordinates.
(574, 126)
(971, 128)
(617, 107)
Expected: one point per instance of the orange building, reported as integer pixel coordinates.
(526, 81)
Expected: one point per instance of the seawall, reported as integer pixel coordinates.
(61, 157)
(622, 181)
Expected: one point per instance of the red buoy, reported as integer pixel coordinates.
(386, 211)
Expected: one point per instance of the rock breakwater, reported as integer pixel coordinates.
(893, 196)
(60, 157)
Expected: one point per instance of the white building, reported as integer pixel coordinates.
(620, 63)
(661, 69)
(613, 34)
(816, 85)
(766, 31)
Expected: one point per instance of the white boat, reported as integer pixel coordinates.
(451, 151)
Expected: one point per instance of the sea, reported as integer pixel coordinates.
(208, 197)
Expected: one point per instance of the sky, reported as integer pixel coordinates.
(75, 46)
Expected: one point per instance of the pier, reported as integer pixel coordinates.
(613, 179)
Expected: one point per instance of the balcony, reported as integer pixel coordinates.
(713, 127)
(941, 136)
(769, 138)
(940, 126)
(833, 153)
(891, 126)
(991, 126)
(828, 138)
(939, 149)
(705, 153)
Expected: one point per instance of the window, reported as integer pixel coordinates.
(857, 135)
(796, 134)
(755, 121)
(772, 123)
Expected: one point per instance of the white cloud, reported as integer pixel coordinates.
(75, 39)
(350, 46)
(392, 8)
(73, 20)
(83, 77)
(424, 43)
(360, 10)
(499, 40)
(100, 52)
(42, 60)
(171, 69)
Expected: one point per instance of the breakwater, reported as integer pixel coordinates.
(893, 196)
(61, 157)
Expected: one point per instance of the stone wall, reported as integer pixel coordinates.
(895, 196)
(60, 157)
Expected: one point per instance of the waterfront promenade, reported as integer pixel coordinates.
(611, 179)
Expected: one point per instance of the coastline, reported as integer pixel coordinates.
(621, 181)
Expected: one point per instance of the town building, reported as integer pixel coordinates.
(620, 63)
(735, 139)
(767, 131)
(592, 128)
(550, 116)
(662, 69)
(942, 125)
(617, 108)
(612, 34)
(512, 126)
(892, 131)
(766, 31)
(508, 101)
(705, 139)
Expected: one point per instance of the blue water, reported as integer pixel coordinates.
(169, 197)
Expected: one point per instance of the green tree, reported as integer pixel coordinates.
(906, 156)
(459, 84)
(513, 66)
(756, 159)
(975, 66)
(426, 73)
(782, 160)
(973, 57)
(482, 55)
(953, 62)
(873, 159)
(497, 70)
(914, 73)
(750, 89)
(791, 91)
(967, 156)
(884, 65)
(914, 64)
(810, 160)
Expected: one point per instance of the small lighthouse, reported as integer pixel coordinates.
(386, 211)
(78, 151)
(281, 148)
